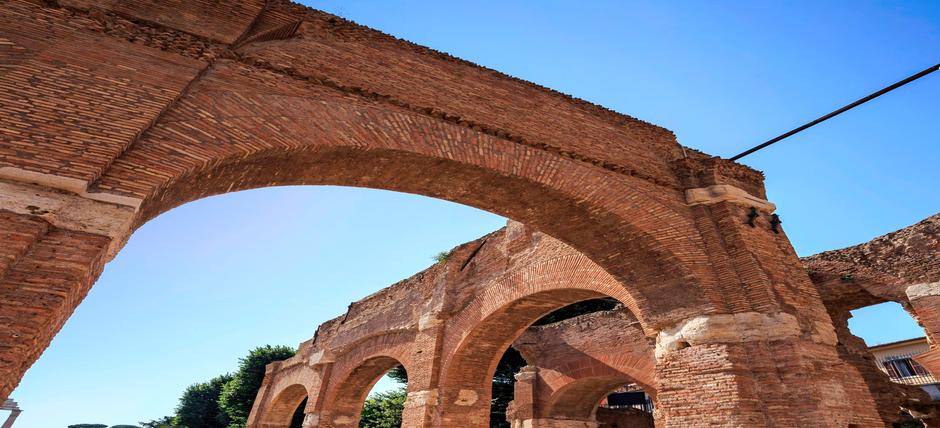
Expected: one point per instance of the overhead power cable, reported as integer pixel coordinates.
(899, 84)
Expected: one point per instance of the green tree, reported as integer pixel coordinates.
(398, 374)
(239, 393)
(124, 426)
(164, 422)
(383, 409)
(88, 426)
(199, 405)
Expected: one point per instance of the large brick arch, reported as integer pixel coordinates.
(203, 117)
(248, 135)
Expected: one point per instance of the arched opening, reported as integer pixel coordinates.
(550, 367)
(894, 349)
(628, 406)
(385, 403)
(287, 408)
(349, 397)
(859, 300)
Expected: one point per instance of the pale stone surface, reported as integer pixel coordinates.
(343, 420)
(726, 193)
(68, 184)
(466, 397)
(311, 420)
(527, 373)
(428, 321)
(728, 328)
(553, 423)
(917, 291)
(422, 398)
(68, 211)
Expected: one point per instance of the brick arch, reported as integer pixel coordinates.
(356, 370)
(578, 399)
(180, 112)
(280, 395)
(497, 316)
(240, 128)
(281, 408)
(615, 365)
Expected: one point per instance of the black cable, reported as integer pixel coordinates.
(910, 79)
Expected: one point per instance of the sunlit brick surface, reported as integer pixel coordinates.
(140, 106)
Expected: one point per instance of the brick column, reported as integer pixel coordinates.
(925, 301)
(313, 411)
(522, 408)
(422, 404)
(524, 411)
(53, 246)
(768, 356)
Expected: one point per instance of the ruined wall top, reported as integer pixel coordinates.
(911, 254)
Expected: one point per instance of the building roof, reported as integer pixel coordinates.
(899, 342)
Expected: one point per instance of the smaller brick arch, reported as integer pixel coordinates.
(349, 395)
(280, 395)
(578, 400)
(503, 309)
(574, 363)
(494, 320)
(281, 409)
(357, 368)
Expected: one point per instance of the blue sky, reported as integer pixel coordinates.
(197, 287)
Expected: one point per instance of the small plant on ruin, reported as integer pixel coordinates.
(441, 257)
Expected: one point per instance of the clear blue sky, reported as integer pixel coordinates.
(197, 287)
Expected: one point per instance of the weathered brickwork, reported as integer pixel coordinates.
(574, 364)
(116, 111)
(902, 267)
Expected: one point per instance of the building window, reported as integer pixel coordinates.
(900, 368)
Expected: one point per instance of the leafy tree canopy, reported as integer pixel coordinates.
(164, 422)
(398, 374)
(199, 405)
(88, 426)
(384, 409)
(239, 393)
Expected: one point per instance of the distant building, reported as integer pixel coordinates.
(897, 360)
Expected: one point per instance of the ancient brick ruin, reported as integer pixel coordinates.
(118, 110)
(572, 364)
